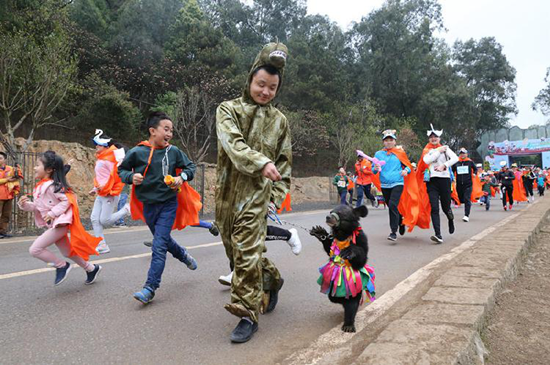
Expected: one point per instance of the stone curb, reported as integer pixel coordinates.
(444, 326)
(435, 316)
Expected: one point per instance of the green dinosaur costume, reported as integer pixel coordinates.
(249, 137)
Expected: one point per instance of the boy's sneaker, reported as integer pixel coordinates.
(466, 218)
(145, 295)
(226, 280)
(214, 231)
(148, 243)
(510, 207)
(294, 241)
(102, 248)
(392, 237)
(190, 261)
(505, 209)
(92, 275)
(437, 239)
(61, 273)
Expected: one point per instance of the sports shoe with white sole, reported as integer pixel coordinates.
(102, 248)
(226, 280)
(437, 239)
(294, 241)
(466, 218)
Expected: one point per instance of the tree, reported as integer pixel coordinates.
(394, 47)
(309, 134)
(485, 69)
(194, 120)
(106, 108)
(542, 100)
(195, 44)
(37, 72)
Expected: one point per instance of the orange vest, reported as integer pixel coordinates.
(114, 185)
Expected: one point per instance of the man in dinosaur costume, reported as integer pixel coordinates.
(253, 175)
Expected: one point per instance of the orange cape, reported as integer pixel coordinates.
(424, 218)
(409, 204)
(286, 204)
(189, 201)
(81, 243)
(114, 185)
(519, 194)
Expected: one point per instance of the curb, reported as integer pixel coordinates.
(436, 315)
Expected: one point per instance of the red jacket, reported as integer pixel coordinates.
(363, 170)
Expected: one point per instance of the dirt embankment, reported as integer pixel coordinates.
(81, 176)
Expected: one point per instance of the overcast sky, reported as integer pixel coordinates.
(521, 27)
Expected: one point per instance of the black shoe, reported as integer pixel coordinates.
(148, 243)
(214, 231)
(392, 237)
(92, 275)
(244, 331)
(274, 297)
(402, 229)
(437, 239)
(61, 274)
(451, 226)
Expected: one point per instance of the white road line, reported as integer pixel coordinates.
(111, 231)
(103, 261)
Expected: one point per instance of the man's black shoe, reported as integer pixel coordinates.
(244, 331)
(274, 297)
(401, 229)
(451, 226)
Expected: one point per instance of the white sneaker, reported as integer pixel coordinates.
(102, 248)
(126, 207)
(226, 280)
(294, 241)
(466, 218)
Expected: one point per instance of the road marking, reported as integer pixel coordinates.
(103, 261)
(111, 231)
(334, 341)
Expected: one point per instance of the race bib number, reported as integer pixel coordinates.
(342, 183)
(461, 170)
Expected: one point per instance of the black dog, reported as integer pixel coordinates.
(344, 222)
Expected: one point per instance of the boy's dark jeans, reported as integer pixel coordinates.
(160, 218)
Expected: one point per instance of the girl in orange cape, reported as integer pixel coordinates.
(519, 190)
(398, 185)
(434, 168)
(107, 187)
(55, 208)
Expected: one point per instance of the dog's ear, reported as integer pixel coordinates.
(361, 212)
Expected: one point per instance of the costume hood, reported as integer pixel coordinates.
(274, 54)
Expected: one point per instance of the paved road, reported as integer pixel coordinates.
(186, 323)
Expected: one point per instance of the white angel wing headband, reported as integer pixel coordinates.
(101, 141)
(433, 131)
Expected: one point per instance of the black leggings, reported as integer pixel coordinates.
(528, 187)
(507, 190)
(439, 189)
(391, 197)
(465, 196)
(277, 233)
